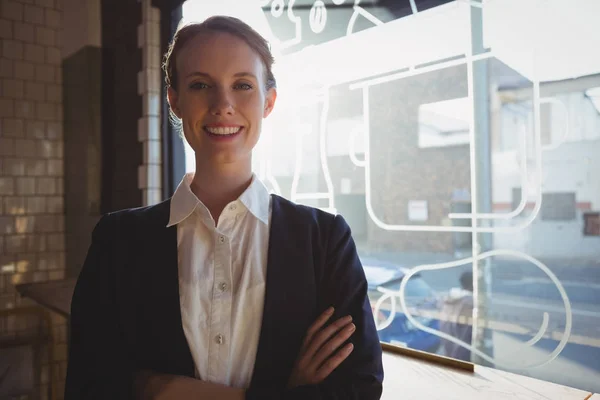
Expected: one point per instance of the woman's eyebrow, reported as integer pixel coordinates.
(237, 75)
(245, 75)
(203, 74)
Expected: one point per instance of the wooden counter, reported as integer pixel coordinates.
(407, 378)
(54, 295)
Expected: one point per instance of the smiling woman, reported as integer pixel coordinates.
(174, 300)
(220, 96)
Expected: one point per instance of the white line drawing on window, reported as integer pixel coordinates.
(419, 70)
(565, 136)
(391, 295)
(524, 188)
(478, 4)
(297, 21)
(323, 97)
(522, 149)
(318, 16)
(301, 131)
(277, 8)
(265, 162)
(351, 147)
(475, 229)
(413, 7)
(358, 10)
(271, 179)
(468, 60)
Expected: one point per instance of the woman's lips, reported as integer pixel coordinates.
(222, 133)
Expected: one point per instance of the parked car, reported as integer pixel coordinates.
(419, 296)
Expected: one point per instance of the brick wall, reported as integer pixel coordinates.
(403, 171)
(32, 239)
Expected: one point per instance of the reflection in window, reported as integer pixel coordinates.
(591, 224)
(594, 96)
(444, 123)
(558, 206)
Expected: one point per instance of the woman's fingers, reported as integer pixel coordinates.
(316, 326)
(325, 334)
(332, 345)
(319, 354)
(333, 362)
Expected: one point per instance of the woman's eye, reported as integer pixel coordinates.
(198, 85)
(243, 86)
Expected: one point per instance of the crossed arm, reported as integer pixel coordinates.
(100, 369)
(321, 353)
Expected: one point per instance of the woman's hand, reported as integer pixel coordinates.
(317, 359)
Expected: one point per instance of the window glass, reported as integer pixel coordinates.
(461, 142)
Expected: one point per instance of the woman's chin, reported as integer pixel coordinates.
(222, 157)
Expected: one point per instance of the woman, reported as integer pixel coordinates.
(222, 291)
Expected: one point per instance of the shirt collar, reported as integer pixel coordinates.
(255, 198)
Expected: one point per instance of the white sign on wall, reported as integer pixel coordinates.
(417, 210)
(346, 186)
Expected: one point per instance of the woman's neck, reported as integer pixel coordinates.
(217, 186)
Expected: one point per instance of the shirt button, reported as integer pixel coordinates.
(223, 286)
(219, 339)
(232, 207)
(221, 239)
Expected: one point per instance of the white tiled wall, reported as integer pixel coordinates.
(32, 238)
(149, 85)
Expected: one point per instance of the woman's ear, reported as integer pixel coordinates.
(172, 98)
(270, 101)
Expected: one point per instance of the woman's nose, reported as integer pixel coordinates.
(222, 104)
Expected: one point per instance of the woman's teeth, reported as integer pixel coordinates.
(223, 131)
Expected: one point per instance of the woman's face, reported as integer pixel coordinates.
(221, 97)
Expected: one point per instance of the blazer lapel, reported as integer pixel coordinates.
(290, 297)
(159, 266)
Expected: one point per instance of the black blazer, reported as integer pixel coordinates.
(125, 313)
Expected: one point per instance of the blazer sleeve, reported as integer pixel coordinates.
(98, 365)
(344, 286)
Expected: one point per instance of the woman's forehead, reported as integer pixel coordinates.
(217, 52)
